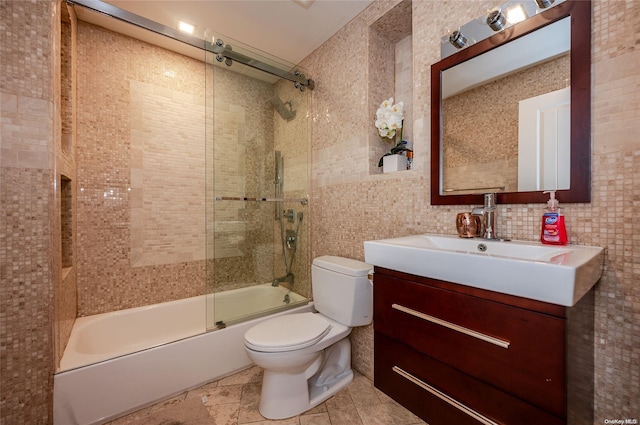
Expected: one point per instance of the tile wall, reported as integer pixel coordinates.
(38, 273)
(27, 226)
(131, 166)
(374, 206)
(293, 139)
(478, 155)
(141, 199)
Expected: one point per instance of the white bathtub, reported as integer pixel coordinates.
(105, 375)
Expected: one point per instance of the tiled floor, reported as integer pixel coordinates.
(234, 400)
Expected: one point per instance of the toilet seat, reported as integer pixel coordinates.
(287, 333)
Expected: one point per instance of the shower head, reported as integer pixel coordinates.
(279, 105)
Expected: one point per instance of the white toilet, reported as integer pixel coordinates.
(306, 357)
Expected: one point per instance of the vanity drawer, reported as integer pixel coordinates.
(517, 350)
(440, 394)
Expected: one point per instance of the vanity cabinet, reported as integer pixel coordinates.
(457, 354)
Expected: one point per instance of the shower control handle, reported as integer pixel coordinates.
(290, 215)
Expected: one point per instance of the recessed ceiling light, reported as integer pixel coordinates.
(185, 27)
(304, 3)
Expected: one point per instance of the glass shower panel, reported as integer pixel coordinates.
(139, 186)
(245, 127)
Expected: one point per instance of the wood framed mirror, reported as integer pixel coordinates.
(578, 14)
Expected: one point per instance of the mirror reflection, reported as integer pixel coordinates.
(506, 116)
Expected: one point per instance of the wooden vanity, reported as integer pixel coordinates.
(454, 354)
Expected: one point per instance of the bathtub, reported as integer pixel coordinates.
(119, 362)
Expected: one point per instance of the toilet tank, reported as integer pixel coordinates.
(342, 290)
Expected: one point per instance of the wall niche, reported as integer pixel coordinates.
(66, 222)
(390, 73)
(65, 293)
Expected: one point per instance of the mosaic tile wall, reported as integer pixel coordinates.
(142, 187)
(402, 85)
(481, 155)
(131, 165)
(359, 205)
(65, 291)
(125, 258)
(229, 180)
(243, 156)
(167, 202)
(26, 205)
(293, 139)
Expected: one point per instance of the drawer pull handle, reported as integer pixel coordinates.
(455, 403)
(496, 341)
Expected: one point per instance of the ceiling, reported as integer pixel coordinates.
(282, 28)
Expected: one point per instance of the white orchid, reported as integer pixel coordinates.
(389, 118)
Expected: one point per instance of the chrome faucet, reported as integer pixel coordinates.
(488, 216)
(286, 278)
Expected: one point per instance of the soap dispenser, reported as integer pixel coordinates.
(553, 230)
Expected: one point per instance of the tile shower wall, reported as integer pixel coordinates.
(27, 265)
(293, 138)
(243, 164)
(355, 205)
(131, 165)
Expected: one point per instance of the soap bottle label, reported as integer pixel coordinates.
(550, 228)
(553, 229)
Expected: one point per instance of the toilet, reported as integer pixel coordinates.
(306, 357)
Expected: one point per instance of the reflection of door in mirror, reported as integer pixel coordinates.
(480, 127)
(544, 141)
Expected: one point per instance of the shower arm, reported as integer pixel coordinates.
(299, 79)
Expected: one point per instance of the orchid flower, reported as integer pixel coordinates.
(389, 118)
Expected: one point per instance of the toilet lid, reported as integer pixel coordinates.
(287, 333)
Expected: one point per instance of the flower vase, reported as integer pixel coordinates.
(392, 163)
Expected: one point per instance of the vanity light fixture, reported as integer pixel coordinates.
(186, 27)
(496, 20)
(543, 4)
(455, 37)
(458, 40)
(499, 20)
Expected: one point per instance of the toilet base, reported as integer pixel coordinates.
(318, 395)
(285, 395)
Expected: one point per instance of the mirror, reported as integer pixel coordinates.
(457, 175)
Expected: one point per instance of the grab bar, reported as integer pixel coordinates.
(303, 201)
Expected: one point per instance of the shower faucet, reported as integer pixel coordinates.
(290, 215)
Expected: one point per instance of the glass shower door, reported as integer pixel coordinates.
(244, 233)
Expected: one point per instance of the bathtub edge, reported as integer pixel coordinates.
(132, 382)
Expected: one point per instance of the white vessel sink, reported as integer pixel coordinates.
(554, 274)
